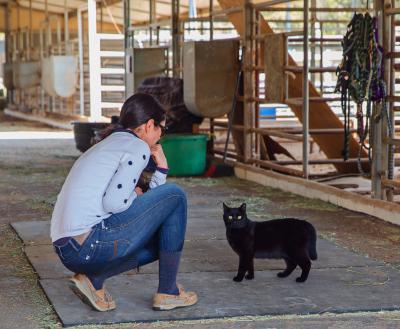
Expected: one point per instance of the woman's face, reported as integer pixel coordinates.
(150, 132)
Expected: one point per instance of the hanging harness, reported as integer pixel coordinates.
(360, 79)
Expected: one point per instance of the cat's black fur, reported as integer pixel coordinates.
(292, 239)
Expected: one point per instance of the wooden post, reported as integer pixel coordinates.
(389, 77)
(176, 52)
(305, 89)
(248, 78)
(378, 149)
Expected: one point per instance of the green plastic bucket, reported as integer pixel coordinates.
(186, 154)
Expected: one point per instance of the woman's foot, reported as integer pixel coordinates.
(165, 302)
(100, 300)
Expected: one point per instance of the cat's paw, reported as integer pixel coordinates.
(281, 275)
(249, 276)
(237, 279)
(300, 279)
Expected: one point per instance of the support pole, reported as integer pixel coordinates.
(81, 66)
(128, 49)
(376, 127)
(389, 77)
(385, 119)
(127, 20)
(68, 49)
(176, 52)
(47, 51)
(29, 33)
(8, 45)
(152, 18)
(211, 19)
(321, 60)
(94, 64)
(305, 90)
(313, 36)
(248, 79)
(211, 23)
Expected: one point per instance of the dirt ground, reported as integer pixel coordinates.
(32, 173)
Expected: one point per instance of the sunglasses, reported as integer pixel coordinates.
(163, 129)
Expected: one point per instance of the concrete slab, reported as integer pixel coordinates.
(327, 290)
(204, 256)
(340, 281)
(33, 232)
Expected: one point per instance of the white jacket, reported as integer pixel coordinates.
(101, 182)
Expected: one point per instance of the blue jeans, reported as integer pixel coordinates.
(154, 223)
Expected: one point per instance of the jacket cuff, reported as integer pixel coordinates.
(163, 170)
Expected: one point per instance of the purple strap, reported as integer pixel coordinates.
(163, 170)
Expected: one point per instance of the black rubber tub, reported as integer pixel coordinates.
(85, 132)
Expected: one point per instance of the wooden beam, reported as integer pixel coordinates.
(388, 211)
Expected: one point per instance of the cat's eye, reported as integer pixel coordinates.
(229, 217)
(239, 217)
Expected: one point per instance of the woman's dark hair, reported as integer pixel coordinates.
(136, 110)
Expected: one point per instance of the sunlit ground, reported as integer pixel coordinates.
(36, 135)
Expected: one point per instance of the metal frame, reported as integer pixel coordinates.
(383, 182)
(251, 40)
(249, 98)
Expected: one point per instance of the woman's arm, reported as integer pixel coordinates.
(121, 190)
(160, 175)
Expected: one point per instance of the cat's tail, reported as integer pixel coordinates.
(312, 243)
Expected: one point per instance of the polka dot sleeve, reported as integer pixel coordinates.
(121, 190)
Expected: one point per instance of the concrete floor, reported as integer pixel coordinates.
(32, 172)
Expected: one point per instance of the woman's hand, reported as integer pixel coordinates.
(138, 191)
(158, 156)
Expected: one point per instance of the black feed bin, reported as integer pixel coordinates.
(85, 132)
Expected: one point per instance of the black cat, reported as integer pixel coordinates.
(292, 239)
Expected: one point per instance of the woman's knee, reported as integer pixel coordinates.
(173, 189)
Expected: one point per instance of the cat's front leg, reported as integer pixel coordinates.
(250, 270)
(241, 270)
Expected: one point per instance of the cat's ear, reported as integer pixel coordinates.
(225, 206)
(243, 207)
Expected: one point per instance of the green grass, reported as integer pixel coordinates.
(43, 205)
